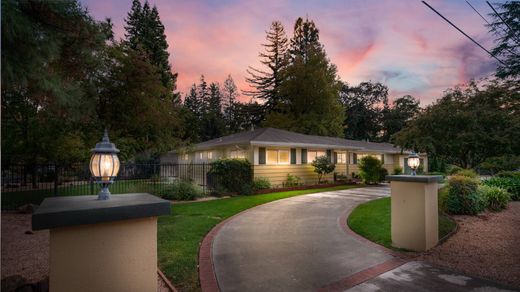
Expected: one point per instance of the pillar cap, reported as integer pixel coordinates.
(78, 210)
(415, 178)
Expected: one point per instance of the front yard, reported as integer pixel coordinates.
(180, 234)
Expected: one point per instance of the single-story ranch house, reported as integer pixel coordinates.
(274, 153)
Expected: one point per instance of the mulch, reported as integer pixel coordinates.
(487, 246)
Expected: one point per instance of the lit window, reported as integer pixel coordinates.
(201, 155)
(186, 156)
(360, 156)
(210, 155)
(341, 157)
(272, 157)
(313, 154)
(283, 157)
(236, 154)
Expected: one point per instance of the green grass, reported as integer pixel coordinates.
(372, 221)
(180, 233)
(14, 199)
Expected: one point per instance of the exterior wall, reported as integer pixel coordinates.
(277, 174)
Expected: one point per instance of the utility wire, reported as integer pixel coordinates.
(501, 62)
(504, 22)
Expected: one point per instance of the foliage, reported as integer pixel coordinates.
(372, 221)
(323, 165)
(310, 88)
(493, 165)
(397, 170)
(467, 125)
(463, 197)
(179, 235)
(181, 190)
(261, 183)
(396, 117)
(505, 27)
(510, 184)
(511, 174)
(383, 172)
(495, 198)
(467, 172)
(233, 175)
(267, 82)
(370, 169)
(292, 181)
(453, 169)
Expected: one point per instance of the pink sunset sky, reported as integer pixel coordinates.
(402, 43)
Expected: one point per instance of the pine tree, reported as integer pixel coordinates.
(306, 38)
(229, 95)
(267, 83)
(145, 31)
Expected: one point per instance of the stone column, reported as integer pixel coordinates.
(102, 245)
(415, 211)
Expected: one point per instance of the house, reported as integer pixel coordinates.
(274, 153)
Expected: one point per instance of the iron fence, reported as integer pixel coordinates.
(32, 183)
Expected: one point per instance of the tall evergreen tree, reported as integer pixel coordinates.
(310, 89)
(145, 30)
(229, 95)
(267, 82)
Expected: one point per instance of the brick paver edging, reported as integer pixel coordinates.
(166, 281)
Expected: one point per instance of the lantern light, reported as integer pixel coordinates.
(104, 165)
(414, 162)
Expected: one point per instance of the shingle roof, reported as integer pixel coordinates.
(271, 136)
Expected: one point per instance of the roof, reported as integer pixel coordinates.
(278, 137)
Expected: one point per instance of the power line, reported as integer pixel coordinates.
(470, 38)
(513, 35)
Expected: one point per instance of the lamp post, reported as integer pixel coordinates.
(104, 165)
(414, 162)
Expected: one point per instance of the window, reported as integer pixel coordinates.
(341, 157)
(358, 157)
(185, 156)
(313, 154)
(201, 155)
(278, 156)
(237, 154)
(210, 155)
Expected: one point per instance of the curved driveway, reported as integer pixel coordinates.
(294, 244)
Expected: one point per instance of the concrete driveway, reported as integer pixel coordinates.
(299, 244)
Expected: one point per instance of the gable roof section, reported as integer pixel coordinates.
(278, 137)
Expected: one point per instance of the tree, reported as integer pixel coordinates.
(322, 165)
(144, 30)
(267, 82)
(363, 109)
(467, 125)
(394, 118)
(310, 89)
(213, 121)
(506, 28)
(305, 40)
(229, 96)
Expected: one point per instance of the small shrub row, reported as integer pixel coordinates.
(510, 184)
(261, 183)
(495, 198)
(463, 197)
(181, 191)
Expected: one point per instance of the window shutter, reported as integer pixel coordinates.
(304, 156)
(382, 158)
(293, 156)
(261, 155)
(329, 155)
(354, 157)
(335, 157)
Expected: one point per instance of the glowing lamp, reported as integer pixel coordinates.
(414, 162)
(104, 165)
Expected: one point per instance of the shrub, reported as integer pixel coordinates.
(463, 197)
(467, 172)
(496, 198)
(292, 181)
(510, 184)
(322, 165)
(493, 165)
(510, 174)
(370, 169)
(181, 190)
(383, 172)
(231, 176)
(452, 169)
(261, 183)
(398, 170)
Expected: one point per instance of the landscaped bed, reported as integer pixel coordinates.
(181, 233)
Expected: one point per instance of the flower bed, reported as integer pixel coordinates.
(304, 187)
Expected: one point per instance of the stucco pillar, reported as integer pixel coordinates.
(414, 211)
(102, 245)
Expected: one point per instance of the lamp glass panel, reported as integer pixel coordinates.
(413, 162)
(106, 166)
(116, 165)
(94, 165)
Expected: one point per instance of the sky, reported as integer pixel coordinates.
(402, 44)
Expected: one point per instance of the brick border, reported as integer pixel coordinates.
(166, 281)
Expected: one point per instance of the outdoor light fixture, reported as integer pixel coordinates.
(414, 162)
(104, 165)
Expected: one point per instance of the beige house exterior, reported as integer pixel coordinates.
(275, 153)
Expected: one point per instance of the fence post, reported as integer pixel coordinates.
(56, 169)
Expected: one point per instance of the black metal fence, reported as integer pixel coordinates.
(39, 181)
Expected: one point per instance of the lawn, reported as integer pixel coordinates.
(372, 221)
(180, 233)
